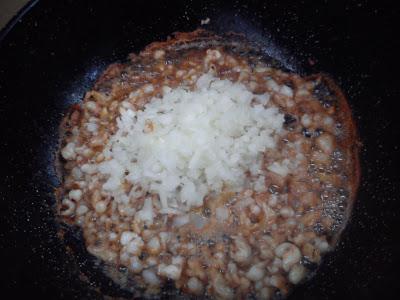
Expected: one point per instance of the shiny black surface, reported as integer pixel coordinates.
(55, 51)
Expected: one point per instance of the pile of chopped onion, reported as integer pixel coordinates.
(188, 144)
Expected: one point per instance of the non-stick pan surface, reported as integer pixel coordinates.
(54, 50)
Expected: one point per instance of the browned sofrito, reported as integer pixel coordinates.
(251, 216)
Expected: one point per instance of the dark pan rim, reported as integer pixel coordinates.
(16, 18)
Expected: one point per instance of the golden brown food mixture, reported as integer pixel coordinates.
(257, 240)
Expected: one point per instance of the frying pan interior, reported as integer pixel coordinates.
(54, 52)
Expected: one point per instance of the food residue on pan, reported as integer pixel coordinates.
(206, 21)
(202, 163)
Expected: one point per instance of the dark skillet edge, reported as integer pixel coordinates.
(373, 206)
(16, 18)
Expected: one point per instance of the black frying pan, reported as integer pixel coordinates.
(52, 52)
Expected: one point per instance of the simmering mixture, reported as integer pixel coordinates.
(203, 165)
